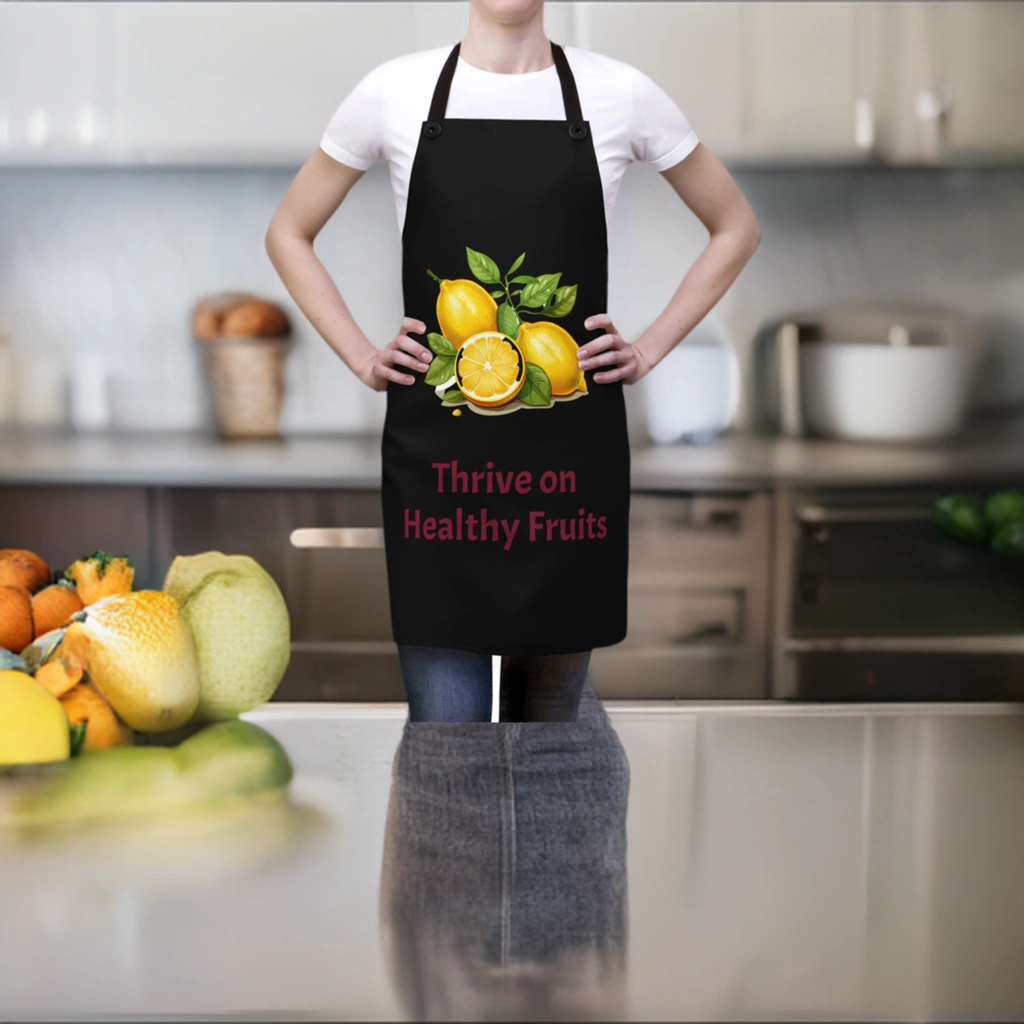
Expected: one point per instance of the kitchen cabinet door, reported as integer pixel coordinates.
(958, 91)
(254, 82)
(802, 85)
(61, 524)
(691, 50)
(53, 104)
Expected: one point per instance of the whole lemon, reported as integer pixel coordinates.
(464, 309)
(553, 349)
(142, 658)
(33, 725)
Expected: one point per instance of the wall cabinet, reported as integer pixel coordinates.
(763, 83)
(950, 81)
(842, 83)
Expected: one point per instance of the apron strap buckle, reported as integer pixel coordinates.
(431, 129)
(577, 130)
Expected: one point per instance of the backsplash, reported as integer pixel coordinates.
(113, 261)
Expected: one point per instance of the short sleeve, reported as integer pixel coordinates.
(353, 135)
(660, 134)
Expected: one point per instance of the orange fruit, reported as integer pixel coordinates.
(53, 606)
(21, 568)
(490, 369)
(464, 308)
(66, 665)
(100, 575)
(16, 618)
(553, 349)
(84, 703)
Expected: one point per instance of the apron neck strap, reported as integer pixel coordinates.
(570, 97)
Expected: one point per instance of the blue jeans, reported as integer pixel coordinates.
(446, 685)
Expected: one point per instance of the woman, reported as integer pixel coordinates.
(505, 485)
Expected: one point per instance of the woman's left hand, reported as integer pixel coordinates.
(625, 361)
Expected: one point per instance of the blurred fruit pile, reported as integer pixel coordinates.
(996, 520)
(86, 661)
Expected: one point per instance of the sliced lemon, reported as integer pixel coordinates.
(490, 369)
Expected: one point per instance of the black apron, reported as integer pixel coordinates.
(505, 484)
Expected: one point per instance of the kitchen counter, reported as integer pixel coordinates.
(782, 862)
(992, 450)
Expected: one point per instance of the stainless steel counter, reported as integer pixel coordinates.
(992, 449)
(809, 862)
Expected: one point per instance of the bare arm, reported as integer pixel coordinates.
(707, 188)
(311, 200)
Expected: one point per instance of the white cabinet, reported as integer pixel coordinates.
(691, 50)
(52, 103)
(840, 83)
(758, 82)
(952, 84)
(247, 81)
(762, 83)
(801, 82)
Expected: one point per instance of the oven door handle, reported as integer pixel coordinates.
(869, 514)
(337, 537)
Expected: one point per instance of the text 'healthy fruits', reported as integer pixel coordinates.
(142, 658)
(464, 308)
(242, 630)
(33, 725)
(490, 369)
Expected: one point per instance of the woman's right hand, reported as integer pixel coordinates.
(400, 351)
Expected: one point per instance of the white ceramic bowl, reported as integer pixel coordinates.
(692, 392)
(873, 392)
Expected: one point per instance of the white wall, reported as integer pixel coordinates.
(114, 259)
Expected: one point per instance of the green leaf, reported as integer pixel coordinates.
(440, 345)
(498, 293)
(524, 279)
(508, 322)
(483, 267)
(562, 301)
(441, 368)
(537, 294)
(454, 395)
(518, 263)
(536, 389)
(77, 737)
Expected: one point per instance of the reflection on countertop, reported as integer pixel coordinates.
(992, 448)
(768, 862)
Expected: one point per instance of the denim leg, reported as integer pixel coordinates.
(445, 685)
(542, 688)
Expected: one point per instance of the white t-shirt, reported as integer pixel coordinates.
(631, 118)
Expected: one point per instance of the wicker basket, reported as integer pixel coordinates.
(247, 380)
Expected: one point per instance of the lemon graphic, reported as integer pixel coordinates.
(464, 309)
(490, 369)
(33, 725)
(552, 348)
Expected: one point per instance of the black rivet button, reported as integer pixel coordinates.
(432, 129)
(578, 130)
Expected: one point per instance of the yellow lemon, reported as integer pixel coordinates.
(142, 658)
(490, 369)
(552, 348)
(464, 309)
(33, 725)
